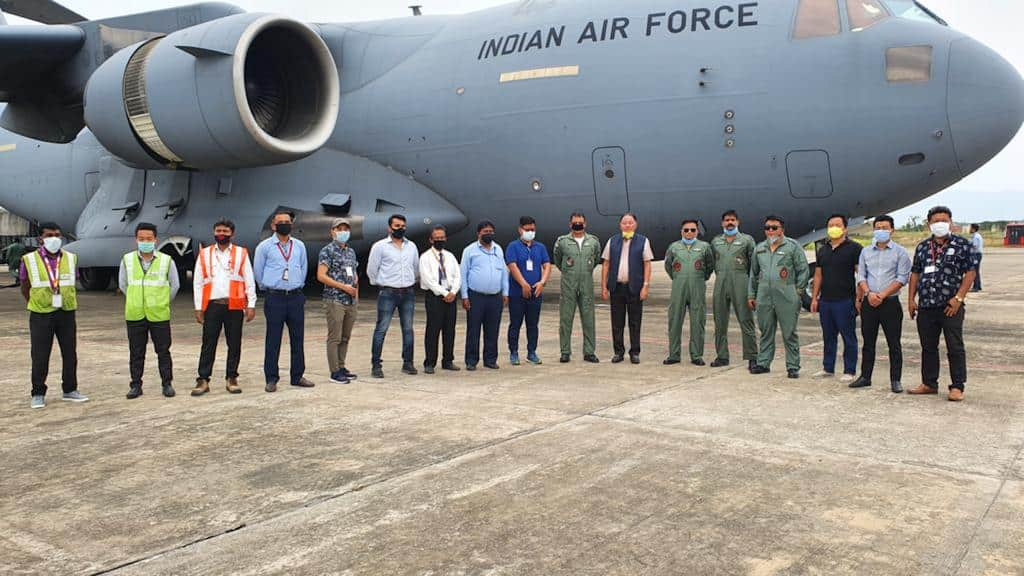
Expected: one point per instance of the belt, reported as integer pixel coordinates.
(284, 292)
(399, 290)
(484, 293)
(223, 301)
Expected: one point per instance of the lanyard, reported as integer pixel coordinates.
(287, 256)
(53, 274)
(936, 253)
(231, 256)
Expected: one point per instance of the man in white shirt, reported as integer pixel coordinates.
(978, 241)
(225, 293)
(441, 277)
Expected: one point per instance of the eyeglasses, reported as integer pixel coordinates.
(689, 229)
(771, 228)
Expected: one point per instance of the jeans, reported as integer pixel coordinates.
(839, 317)
(520, 309)
(977, 278)
(388, 300)
(282, 310)
(485, 313)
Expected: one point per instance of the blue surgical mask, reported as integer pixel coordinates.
(529, 235)
(689, 241)
(147, 247)
(882, 236)
(732, 232)
(342, 236)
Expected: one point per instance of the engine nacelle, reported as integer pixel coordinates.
(242, 91)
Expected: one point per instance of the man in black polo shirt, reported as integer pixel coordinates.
(940, 277)
(833, 298)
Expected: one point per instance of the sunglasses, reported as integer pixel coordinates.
(689, 229)
(771, 228)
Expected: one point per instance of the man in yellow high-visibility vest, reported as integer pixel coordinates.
(149, 280)
(48, 286)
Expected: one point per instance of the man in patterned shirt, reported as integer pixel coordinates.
(943, 271)
(337, 271)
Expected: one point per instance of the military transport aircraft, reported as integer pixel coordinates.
(666, 108)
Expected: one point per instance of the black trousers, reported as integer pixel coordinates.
(216, 318)
(484, 315)
(42, 330)
(932, 323)
(890, 317)
(441, 318)
(626, 303)
(139, 334)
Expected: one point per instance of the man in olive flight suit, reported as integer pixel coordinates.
(734, 252)
(689, 263)
(576, 255)
(778, 276)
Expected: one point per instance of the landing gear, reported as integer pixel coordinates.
(95, 279)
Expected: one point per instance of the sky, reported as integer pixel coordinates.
(995, 192)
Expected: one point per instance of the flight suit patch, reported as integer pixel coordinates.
(784, 273)
(569, 261)
(677, 266)
(741, 261)
(698, 265)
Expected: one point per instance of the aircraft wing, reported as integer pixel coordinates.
(29, 53)
(42, 11)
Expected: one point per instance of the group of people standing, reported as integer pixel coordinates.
(766, 279)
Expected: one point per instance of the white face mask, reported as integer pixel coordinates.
(529, 235)
(52, 244)
(940, 229)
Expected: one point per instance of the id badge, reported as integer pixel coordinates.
(930, 269)
(348, 271)
(58, 301)
(529, 265)
(284, 276)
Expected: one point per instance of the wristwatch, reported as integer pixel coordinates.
(960, 299)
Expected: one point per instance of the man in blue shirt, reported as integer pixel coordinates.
(394, 265)
(280, 268)
(484, 293)
(528, 267)
(979, 248)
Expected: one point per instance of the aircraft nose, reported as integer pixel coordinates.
(986, 103)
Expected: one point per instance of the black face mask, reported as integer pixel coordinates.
(284, 229)
(399, 233)
(579, 227)
(487, 238)
(222, 239)
(440, 244)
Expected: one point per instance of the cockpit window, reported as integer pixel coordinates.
(864, 13)
(908, 64)
(815, 18)
(913, 10)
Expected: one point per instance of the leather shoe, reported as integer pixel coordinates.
(617, 358)
(751, 364)
(922, 389)
(634, 358)
(897, 387)
(134, 392)
(793, 374)
(271, 387)
(168, 391)
(409, 369)
(471, 367)
(202, 387)
(564, 359)
(956, 395)
(491, 365)
(758, 369)
(377, 372)
(450, 367)
(592, 359)
(232, 386)
(719, 363)
(428, 369)
(697, 362)
(303, 383)
(860, 383)
(669, 361)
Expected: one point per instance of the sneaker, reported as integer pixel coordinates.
(348, 374)
(378, 372)
(846, 378)
(823, 374)
(339, 377)
(74, 396)
(39, 401)
(533, 359)
(513, 359)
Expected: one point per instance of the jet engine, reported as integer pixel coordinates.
(241, 91)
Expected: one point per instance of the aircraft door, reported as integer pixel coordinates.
(810, 175)
(610, 185)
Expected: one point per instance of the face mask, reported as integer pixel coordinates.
(399, 234)
(689, 241)
(222, 239)
(147, 247)
(52, 244)
(342, 236)
(579, 227)
(529, 235)
(835, 232)
(628, 235)
(731, 232)
(882, 236)
(284, 229)
(940, 229)
(440, 244)
(774, 239)
(487, 238)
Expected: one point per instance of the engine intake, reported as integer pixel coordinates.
(242, 91)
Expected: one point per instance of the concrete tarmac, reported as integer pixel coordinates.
(548, 470)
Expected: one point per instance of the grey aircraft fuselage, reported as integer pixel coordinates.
(641, 109)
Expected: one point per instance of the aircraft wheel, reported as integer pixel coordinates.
(95, 279)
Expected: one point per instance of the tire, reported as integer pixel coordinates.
(95, 279)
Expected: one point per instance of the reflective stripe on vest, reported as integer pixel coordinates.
(41, 292)
(148, 293)
(237, 298)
